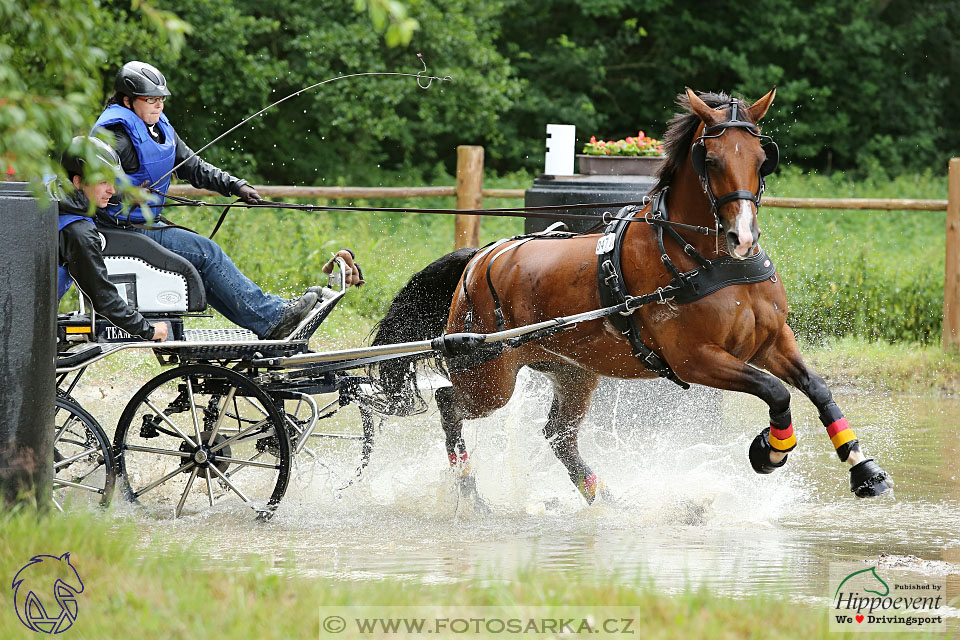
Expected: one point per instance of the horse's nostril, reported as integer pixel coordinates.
(732, 238)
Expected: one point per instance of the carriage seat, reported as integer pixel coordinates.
(151, 278)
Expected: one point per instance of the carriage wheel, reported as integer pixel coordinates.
(83, 468)
(202, 436)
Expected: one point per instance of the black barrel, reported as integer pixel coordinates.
(555, 190)
(625, 408)
(28, 317)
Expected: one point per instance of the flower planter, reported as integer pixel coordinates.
(619, 165)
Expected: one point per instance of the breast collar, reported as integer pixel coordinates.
(685, 287)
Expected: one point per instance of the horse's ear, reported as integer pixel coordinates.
(759, 108)
(699, 107)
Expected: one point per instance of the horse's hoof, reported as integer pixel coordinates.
(868, 480)
(593, 487)
(468, 489)
(760, 454)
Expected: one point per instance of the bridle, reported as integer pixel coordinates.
(698, 158)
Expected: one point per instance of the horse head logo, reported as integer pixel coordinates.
(869, 581)
(32, 588)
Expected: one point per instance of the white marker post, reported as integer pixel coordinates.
(561, 139)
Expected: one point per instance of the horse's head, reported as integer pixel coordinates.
(732, 157)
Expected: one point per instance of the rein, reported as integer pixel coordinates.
(527, 212)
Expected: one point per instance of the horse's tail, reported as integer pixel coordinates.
(418, 312)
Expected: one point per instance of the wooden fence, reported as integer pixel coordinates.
(470, 193)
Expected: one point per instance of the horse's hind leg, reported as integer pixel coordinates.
(452, 424)
(572, 389)
(867, 479)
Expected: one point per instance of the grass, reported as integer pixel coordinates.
(909, 368)
(130, 590)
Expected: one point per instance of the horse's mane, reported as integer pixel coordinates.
(679, 135)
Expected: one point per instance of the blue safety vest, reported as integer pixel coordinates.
(64, 281)
(155, 159)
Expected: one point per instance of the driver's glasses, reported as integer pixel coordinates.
(154, 99)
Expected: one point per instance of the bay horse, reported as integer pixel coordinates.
(724, 339)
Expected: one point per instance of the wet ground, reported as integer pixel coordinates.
(687, 509)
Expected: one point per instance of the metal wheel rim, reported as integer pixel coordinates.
(83, 461)
(233, 417)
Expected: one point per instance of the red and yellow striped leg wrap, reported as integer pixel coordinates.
(840, 433)
(782, 440)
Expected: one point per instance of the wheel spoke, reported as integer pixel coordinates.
(230, 484)
(222, 413)
(183, 498)
(89, 473)
(155, 483)
(66, 424)
(206, 472)
(163, 417)
(193, 410)
(67, 461)
(231, 473)
(250, 462)
(241, 434)
(58, 482)
(164, 452)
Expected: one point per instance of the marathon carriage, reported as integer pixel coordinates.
(224, 422)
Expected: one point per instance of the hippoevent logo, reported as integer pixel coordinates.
(45, 593)
(871, 600)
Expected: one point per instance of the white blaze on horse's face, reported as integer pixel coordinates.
(745, 227)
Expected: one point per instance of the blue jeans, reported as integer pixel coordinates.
(230, 292)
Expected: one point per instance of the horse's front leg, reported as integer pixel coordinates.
(714, 367)
(783, 360)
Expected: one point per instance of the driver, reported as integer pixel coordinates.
(81, 257)
(149, 147)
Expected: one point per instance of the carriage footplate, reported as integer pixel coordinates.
(203, 455)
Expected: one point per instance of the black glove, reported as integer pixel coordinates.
(249, 195)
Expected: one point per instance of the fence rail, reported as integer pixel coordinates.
(469, 193)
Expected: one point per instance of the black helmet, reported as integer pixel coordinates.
(140, 79)
(73, 159)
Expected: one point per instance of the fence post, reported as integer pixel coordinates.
(951, 282)
(469, 195)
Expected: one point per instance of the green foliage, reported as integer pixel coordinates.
(51, 56)
(390, 18)
(872, 274)
(47, 74)
(864, 85)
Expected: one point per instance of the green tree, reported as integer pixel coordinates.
(861, 84)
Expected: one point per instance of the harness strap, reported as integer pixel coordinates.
(613, 293)
(497, 306)
(552, 232)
